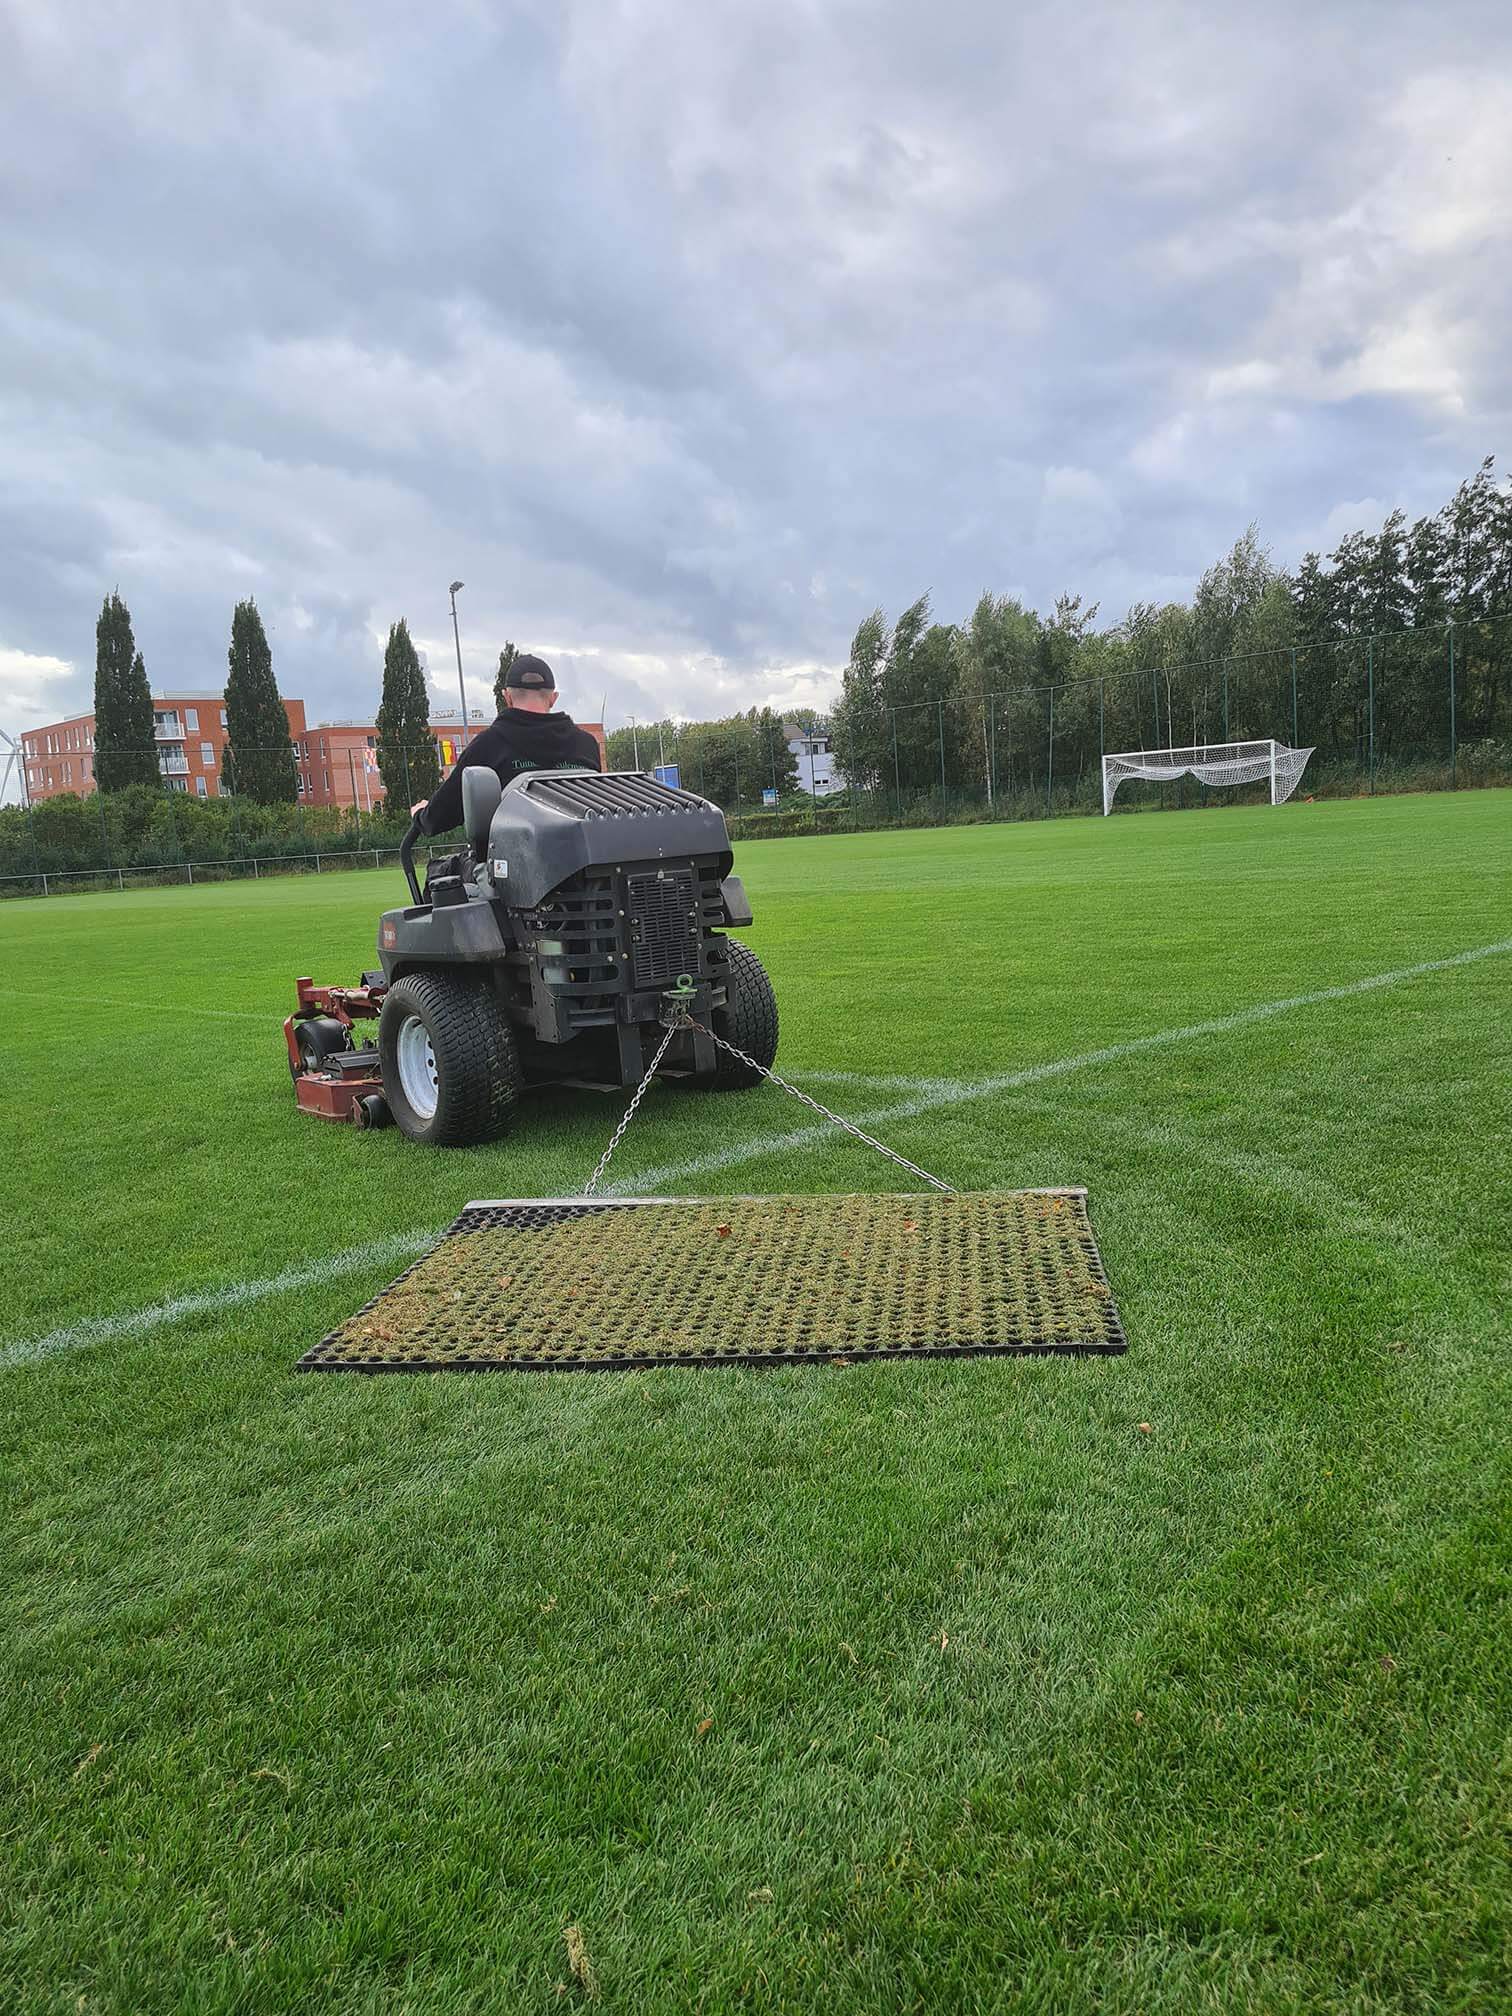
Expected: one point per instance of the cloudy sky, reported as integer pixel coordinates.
(685, 333)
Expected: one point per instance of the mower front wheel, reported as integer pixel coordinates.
(451, 1068)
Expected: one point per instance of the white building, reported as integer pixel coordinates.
(817, 771)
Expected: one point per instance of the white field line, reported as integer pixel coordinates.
(135, 1323)
(932, 1099)
(92, 1000)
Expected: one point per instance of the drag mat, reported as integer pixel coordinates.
(603, 1284)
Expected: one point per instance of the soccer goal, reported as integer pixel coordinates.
(1213, 763)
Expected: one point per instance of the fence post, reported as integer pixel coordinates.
(897, 774)
(256, 871)
(104, 836)
(190, 866)
(944, 802)
(356, 808)
(1296, 738)
(317, 864)
(1225, 700)
(1453, 747)
(1050, 754)
(992, 760)
(1370, 704)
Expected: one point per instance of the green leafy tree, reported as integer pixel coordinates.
(859, 729)
(259, 759)
(776, 764)
(506, 658)
(124, 750)
(407, 760)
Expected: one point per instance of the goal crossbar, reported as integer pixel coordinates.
(1211, 763)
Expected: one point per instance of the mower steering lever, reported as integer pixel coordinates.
(407, 857)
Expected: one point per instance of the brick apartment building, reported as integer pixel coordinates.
(337, 760)
(190, 732)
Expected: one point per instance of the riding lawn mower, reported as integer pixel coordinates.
(547, 953)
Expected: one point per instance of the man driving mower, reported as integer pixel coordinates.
(526, 736)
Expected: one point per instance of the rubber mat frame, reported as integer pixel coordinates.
(334, 1353)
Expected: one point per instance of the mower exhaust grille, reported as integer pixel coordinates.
(666, 936)
(620, 795)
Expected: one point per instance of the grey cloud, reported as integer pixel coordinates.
(645, 321)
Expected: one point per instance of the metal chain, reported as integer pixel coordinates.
(849, 1126)
(681, 1019)
(640, 1092)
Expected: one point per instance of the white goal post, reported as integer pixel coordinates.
(1212, 763)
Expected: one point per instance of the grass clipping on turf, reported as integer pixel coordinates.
(748, 1280)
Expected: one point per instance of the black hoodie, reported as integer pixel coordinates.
(518, 740)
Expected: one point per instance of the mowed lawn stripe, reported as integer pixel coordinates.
(932, 1096)
(1158, 1684)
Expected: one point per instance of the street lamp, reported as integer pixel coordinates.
(457, 637)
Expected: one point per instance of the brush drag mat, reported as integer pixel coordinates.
(611, 1284)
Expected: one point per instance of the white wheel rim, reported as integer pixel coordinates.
(417, 1068)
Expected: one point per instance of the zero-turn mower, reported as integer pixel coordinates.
(546, 953)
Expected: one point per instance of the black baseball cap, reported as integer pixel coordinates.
(530, 674)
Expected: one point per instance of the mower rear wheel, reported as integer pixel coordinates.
(748, 1020)
(451, 1069)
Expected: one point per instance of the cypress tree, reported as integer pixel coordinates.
(125, 752)
(506, 658)
(407, 760)
(259, 758)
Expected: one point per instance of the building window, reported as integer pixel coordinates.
(223, 717)
(177, 783)
(328, 783)
(207, 755)
(201, 787)
(68, 773)
(191, 720)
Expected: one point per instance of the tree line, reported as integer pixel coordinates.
(259, 762)
(1395, 649)
(734, 761)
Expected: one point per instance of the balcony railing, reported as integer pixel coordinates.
(173, 766)
(167, 729)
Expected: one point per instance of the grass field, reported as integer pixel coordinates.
(1170, 1682)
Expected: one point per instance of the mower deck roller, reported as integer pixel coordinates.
(544, 954)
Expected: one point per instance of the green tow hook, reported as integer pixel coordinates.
(678, 1000)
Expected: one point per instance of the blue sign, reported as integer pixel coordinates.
(668, 774)
(769, 796)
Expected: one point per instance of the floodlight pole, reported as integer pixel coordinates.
(457, 640)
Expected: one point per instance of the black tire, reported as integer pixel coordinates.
(371, 1112)
(748, 1020)
(316, 1038)
(472, 1060)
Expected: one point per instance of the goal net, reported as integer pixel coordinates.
(1213, 763)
